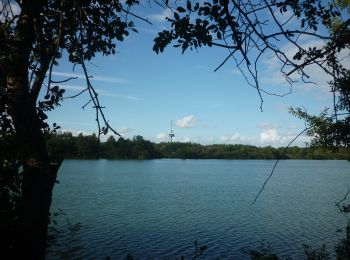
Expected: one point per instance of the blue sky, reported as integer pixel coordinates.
(143, 92)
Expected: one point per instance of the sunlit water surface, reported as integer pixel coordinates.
(158, 208)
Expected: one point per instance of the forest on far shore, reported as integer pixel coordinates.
(88, 147)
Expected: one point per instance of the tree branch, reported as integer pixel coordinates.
(277, 161)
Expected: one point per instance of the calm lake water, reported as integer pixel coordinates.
(158, 208)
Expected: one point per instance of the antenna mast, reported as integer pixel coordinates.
(171, 135)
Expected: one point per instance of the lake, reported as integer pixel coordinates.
(158, 208)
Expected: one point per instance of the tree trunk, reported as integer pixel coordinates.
(39, 174)
(34, 219)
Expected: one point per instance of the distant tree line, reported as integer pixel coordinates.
(69, 146)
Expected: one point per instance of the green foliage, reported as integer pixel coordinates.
(80, 29)
(344, 5)
(326, 131)
(264, 252)
(343, 247)
(220, 18)
(88, 147)
(331, 129)
(70, 248)
(316, 254)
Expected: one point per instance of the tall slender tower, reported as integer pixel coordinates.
(171, 135)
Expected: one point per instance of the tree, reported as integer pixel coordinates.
(142, 149)
(34, 35)
(61, 145)
(331, 129)
(110, 147)
(87, 146)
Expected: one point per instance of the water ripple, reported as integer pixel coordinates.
(157, 209)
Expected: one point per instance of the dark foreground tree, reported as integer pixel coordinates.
(34, 35)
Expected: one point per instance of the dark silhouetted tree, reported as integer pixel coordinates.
(34, 35)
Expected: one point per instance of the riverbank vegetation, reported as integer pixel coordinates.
(89, 147)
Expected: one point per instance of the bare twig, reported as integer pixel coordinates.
(277, 161)
(63, 81)
(343, 208)
(77, 95)
(136, 16)
(199, 250)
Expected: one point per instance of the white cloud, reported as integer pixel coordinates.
(162, 137)
(124, 130)
(273, 138)
(276, 82)
(236, 138)
(224, 138)
(184, 139)
(287, 17)
(269, 136)
(276, 78)
(72, 87)
(161, 17)
(186, 122)
(75, 132)
(116, 80)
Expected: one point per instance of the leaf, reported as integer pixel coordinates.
(180, 10)
(176, 16)
(189, 7)
(196, 7)
(184, 47)
(156, 48)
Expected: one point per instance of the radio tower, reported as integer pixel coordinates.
(171, 135)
